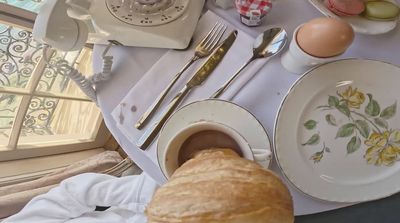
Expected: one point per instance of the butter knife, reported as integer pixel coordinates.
(198, 78)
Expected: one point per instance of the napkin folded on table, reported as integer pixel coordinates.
(147, 89)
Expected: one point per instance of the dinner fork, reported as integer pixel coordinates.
(203, 49)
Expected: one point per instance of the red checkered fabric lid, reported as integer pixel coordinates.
(245, 7)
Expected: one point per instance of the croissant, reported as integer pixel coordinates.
(219, 186)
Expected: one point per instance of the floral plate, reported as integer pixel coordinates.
(359, 23)
(337, 133)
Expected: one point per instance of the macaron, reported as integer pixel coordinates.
(345, 7)
(381, 10)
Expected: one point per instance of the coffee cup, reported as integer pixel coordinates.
(204, 135)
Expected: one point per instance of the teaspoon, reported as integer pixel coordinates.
(266, 45)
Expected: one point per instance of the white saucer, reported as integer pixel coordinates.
(359, 23)
(220, 111)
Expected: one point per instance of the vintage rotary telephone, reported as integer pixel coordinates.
(68, 24)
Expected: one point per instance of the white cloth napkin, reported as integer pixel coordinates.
(143, 94)
(75, 199)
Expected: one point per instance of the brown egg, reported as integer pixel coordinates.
(325, 37)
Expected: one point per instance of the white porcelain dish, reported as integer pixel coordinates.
(359, 23)
(214, 110)
(337, 133)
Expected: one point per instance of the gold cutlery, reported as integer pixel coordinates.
(203, 49)
(198, 78)
(266, 45)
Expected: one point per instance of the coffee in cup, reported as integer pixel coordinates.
(205, 135)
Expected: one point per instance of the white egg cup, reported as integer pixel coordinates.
(297, 61)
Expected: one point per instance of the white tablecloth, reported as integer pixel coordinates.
(262, 95)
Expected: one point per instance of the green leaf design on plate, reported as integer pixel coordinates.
(353, 145)
(373, 108)
(333, 101)
(395, 136)
(344, 109)
(313, 140)
(316, 157)
(363, 128)
(389, 112)
(346, 130)
(330, 119)
(381, 122)
(310, 124)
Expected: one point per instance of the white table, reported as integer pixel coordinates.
(272, 80)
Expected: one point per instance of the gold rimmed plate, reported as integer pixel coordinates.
(337, 133)
(360, 24)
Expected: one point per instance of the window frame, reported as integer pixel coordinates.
(17, 17)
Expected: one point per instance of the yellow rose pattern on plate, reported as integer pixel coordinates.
(368, 126)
